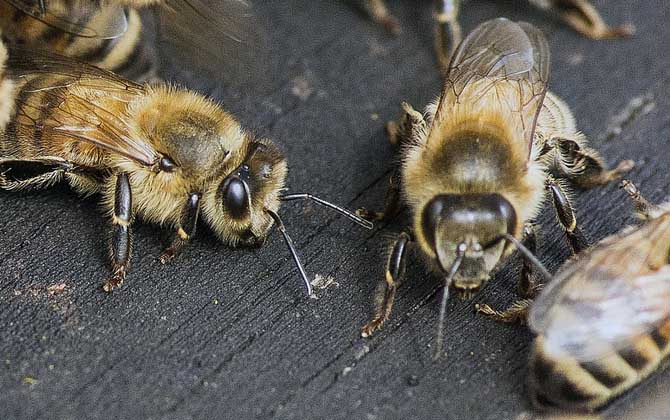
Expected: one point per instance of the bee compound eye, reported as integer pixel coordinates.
(236, 197)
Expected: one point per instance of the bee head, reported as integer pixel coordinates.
(243, 203)
(240, 198)
(472, 224)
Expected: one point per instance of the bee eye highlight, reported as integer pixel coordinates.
(236, 197)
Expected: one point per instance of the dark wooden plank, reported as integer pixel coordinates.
(229, 333)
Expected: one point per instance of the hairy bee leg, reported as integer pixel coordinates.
(186, 229)
(121, 236)
(584, 166)
(395, 271)
(380, 14)
(392, 202)
(517, 312)
(20, 174)
(410, 124)
(566, 216)
(583, 17)
(448, 32)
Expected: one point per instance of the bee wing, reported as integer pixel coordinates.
(75, 16)
(78, 118)
(499, 57)
(222, 36)
(588, 315)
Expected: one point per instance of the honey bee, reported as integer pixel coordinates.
(581, 15)
(164, 154)
(603, 323)
(109, 33)
(475, 167)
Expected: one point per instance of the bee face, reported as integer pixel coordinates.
(237, 202)
(475, 222)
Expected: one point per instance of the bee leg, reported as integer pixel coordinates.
(517, 312)
(566, 216)
(380, 14)
(410, 125)
(121, 242)
(395, 272)
(392, 202)
(643, 207)
(186, 229)
(528, 284)
(583, 166)
(447, 30)
(583, 17)
(20, 174)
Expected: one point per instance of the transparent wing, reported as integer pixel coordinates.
(223, 37)
(77, 17)
(69, 102)
(588, 315)
(502, 61)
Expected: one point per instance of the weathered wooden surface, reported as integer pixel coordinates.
(225, 333)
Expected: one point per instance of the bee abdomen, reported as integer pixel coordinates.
(564, 382)
(126, 54)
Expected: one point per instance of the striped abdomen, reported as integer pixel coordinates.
(126, 54)
(569, 384)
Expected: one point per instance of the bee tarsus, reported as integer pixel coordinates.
(583, 17)
(517, 312)
(186, 229)
(380, 14)
(395, 273)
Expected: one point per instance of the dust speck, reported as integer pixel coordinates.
(575, 59)
(637, 107)
(29, 380)
(301, 88)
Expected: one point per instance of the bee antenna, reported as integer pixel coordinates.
(460, 252)
(291, 248)
(352, 216)
(529, 255)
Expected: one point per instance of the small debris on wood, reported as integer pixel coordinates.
(29, 380)
(56, 289)
(321, 282)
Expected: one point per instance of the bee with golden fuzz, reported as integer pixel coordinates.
(603, 323)
(109, 33)
(581, 15)
(475, 167)
(166, 155)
